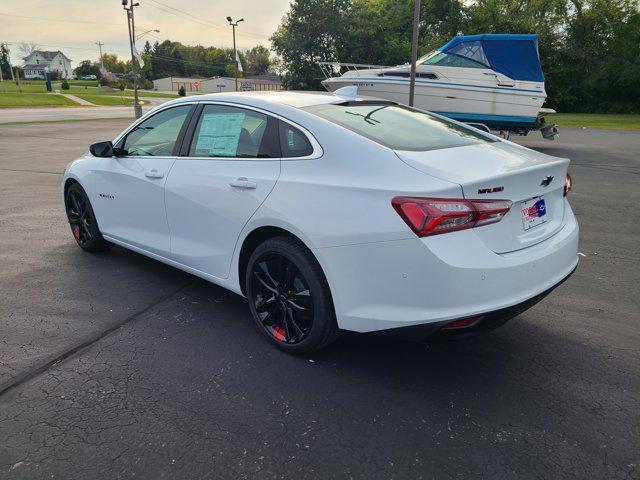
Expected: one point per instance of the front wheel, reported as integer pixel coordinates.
(82, 221)
(289, 297)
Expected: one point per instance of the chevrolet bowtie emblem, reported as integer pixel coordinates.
(546, 180)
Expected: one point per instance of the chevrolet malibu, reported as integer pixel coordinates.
(332, 212)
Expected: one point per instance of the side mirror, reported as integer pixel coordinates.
(102, 149)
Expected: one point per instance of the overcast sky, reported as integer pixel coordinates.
(74, 25)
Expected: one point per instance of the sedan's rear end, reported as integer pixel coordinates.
(502, 239)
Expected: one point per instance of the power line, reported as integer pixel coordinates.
(188, 16)
(70, 47)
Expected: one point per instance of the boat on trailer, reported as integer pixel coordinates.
(492, 81)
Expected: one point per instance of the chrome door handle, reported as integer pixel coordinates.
(153, 174)
(243, 182)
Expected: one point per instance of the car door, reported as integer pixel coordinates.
(129, 188)
(228, 169)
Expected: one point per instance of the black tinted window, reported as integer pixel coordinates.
(293, 142)
(225, 131)
(157, 136)
(397, 126)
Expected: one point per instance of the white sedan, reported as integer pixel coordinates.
(329, 212)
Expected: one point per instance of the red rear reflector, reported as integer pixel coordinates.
(431, 216)
(465, 322)
(568, 183)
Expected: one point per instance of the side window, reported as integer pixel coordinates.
(293, 142)
(157, 136)
(232, 132)
(453, 60)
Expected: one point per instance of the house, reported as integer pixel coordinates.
(217, 84)
(35, 63)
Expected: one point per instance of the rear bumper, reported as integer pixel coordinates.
(386, 285)
(484, 322)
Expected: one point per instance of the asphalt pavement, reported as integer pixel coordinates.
(116, 366)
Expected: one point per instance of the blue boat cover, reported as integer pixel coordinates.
(515, 56)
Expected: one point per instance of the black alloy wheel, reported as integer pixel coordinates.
(282, 298)
(289, 296)
(83, 221)
(79, 219)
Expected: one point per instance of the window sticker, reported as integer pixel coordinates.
(219, 134)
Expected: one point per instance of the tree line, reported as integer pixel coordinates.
(589, 49)
(169, 58)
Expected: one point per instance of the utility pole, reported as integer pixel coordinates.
(100, 44)
(235, 51)
(137, 109)
(414, 51)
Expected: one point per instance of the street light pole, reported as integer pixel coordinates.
(137, 109)
(235, 51)
(414, 51)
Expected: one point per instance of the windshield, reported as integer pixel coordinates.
(397, 126)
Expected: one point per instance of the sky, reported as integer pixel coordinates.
(73, 26)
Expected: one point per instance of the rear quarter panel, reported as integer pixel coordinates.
(344, 197)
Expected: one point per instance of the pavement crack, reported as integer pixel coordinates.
(29, 171)
(34, 372)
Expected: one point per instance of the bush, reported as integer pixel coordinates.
(182, 92)
(146, 84)
(121, 84)
(64, 85)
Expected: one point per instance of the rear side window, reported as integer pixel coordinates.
(397, 126)
(293, 142)
(225, 131)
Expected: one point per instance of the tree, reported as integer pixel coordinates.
(112, 64)
(312, 31)
(258, 61)
(27, 48)
(86, 67)
(4, 61)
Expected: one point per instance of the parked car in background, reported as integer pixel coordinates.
(89, 77)
(332, 211)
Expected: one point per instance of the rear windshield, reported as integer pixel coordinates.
(398, 127)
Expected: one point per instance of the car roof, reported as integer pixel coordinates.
(262, 99)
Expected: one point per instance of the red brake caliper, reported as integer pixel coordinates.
(76, 231)
(278, 333)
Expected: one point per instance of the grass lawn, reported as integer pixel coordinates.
(595, 120)
(82, 83)
(15, 100)
(78, 87)
(151, 93)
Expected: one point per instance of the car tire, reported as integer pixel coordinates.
(82, 221)
(289, 296)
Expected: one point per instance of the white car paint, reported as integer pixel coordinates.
(337, 201)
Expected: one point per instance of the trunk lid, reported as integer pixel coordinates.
(503, 171)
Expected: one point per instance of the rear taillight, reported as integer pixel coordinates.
(432, 216)
(568, 183)
(464, 323)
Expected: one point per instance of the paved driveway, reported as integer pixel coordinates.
(116, 366)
